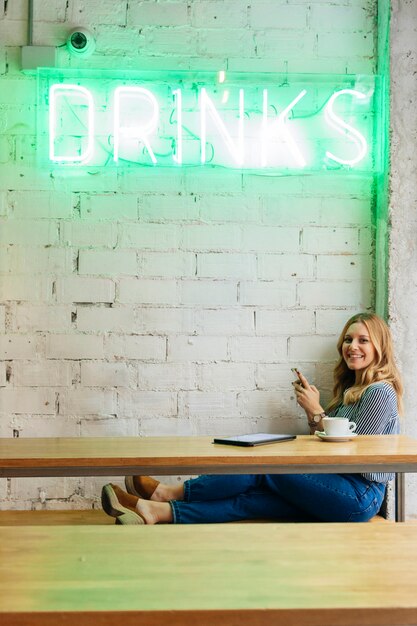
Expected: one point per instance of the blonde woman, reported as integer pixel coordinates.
(367, 390)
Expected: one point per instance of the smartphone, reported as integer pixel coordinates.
(297, 373)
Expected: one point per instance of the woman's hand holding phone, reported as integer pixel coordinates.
(296, 372)
(308, 396)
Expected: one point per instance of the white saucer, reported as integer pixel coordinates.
(324, 437)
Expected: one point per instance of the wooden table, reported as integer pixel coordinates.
(93, 456)
(112, 456)
(210, 575)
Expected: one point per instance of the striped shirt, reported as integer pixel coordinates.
(376, 413)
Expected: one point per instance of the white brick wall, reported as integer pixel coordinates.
(258, 349)
(107, 374)
(226, 376)
(33, 401)
(142, 291)
(79, 289)
(88, 234)
(120, 319)
(44, 373)
(219, 14)
(28, 232)
(220, 265)
(105, 206)
(21, 346)
(313, 348)
(88, 402)
(193, 348)
(166, 376)
(212, 238)
(144, 348)
(167, 264)
(343, 44)
(148, 301)
(149, 236)
(297, 322)
(233, 321)
(41, 204)
(272, 293)
(277, 16)
(24, 288)
(402, 243)
(165, 320)
(157, 14)
(2, 319)
(74, 346)
(208, 292)
(32, 317)
(337, 293)
(107, 262)
(330, 240)
(147, 404)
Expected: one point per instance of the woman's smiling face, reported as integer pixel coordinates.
(358, 350)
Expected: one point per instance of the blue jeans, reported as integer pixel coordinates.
(296, 497)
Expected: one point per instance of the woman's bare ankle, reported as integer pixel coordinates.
(154, 512)
(166, 493)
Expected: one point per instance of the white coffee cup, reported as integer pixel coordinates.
(338, 426)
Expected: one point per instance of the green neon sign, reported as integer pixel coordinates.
(291, 123)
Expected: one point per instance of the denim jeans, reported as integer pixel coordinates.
(297, 497)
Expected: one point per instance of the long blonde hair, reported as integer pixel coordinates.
(383, 367)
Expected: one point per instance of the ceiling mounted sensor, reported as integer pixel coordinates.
(81, 42)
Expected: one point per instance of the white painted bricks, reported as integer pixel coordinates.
(402, 295)
(142, 301)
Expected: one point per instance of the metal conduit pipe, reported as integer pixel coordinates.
(30, 23)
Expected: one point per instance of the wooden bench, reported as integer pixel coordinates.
(222, 575)
(55, 518)
(86, 516)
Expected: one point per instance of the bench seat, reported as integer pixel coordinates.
(209, 574)
(86, 516)
(55, 518)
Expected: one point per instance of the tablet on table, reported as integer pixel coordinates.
(256, 439)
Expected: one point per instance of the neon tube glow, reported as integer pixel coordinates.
(291, 124)
(65, 91)
(346, 129)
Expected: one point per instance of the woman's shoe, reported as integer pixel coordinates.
(141, 486)
(120, 505)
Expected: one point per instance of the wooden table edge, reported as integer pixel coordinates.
(341, 616)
